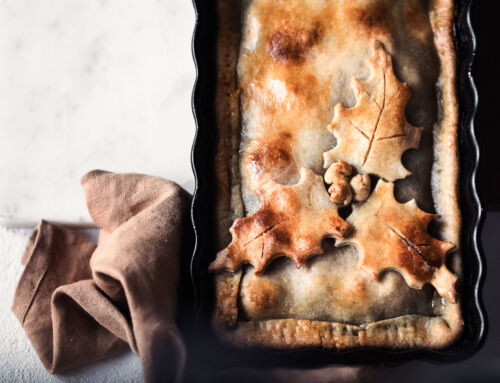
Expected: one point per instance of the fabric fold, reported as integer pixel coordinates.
(80, 302)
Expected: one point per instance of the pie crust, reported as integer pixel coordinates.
(282, 69)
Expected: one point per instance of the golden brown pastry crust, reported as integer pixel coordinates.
(402, 332)
(228, 205)
(373, 135)
(393, 235)
(292, 221)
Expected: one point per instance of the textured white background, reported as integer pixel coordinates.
(90, 84)
(84, 84)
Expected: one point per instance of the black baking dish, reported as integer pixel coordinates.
(207, 348)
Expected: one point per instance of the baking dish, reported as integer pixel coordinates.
(204, 51)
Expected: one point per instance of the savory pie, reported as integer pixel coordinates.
(337, 217)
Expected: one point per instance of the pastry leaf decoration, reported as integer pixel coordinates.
(292, 221)
(373, 134)
(391, 235)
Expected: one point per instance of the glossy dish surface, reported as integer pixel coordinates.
(203, 151)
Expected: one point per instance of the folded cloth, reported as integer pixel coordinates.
(80, 302)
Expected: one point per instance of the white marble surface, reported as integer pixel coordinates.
(90, 84)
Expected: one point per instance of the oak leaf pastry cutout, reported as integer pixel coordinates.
(391, 235)
(292, 221)
(373, 134)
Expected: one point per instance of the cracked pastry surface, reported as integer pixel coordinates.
(294, 63)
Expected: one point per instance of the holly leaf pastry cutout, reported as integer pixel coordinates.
(391, 235)
(292, 221)
(373, 134)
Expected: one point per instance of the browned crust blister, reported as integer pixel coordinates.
(290, 47)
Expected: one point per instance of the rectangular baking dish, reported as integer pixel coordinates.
(214, 353)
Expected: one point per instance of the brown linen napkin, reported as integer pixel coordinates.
(80, 302)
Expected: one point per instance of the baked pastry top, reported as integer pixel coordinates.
(337, 215)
